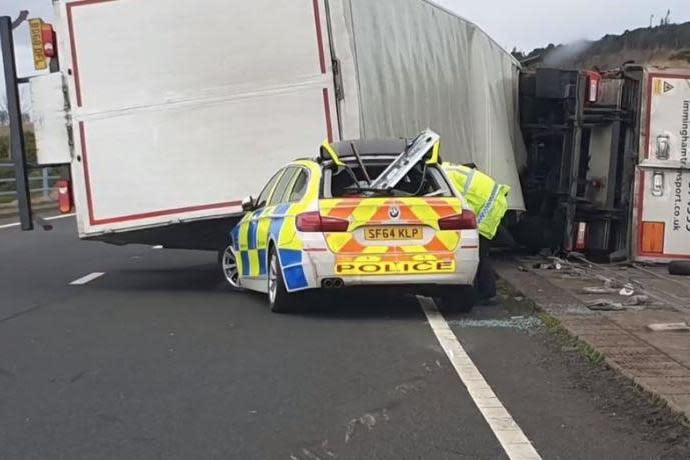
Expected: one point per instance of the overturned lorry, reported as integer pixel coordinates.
(169, 115)
(607, 169)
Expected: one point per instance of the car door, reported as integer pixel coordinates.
(249, 259)
(267, 221)
(278, 209)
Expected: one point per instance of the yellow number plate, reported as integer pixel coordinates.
(393, 233)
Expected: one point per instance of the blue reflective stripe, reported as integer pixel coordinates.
(235, 237)
(295, 279)
(276, 226)
(281, 210)
(290, 257)
(262, 263)
(245, 263)
(488, 207)
(252, 237)
(277, 221)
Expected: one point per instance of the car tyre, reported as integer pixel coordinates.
(460, 299)
(679, 268)
(279, 299)
(228, 267)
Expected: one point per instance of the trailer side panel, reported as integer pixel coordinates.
(179, 111)
(420, 66)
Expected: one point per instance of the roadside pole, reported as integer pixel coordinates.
(17, 148)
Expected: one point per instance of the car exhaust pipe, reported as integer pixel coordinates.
(332, 283)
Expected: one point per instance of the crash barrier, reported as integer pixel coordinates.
(41, 182)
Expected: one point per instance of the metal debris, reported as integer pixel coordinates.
(599, 290)
(627, 291)
(605, 305)
(636, 300)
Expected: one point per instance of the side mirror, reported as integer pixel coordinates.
(248, 204)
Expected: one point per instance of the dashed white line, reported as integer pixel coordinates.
(17, 224)
(514, 442)
(86, 279)
(9, 225)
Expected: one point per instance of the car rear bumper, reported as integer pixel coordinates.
(320, 266)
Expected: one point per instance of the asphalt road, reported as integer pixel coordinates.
(157, 359)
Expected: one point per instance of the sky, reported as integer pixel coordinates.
(525, 24)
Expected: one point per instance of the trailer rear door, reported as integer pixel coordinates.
(663, 185)
(180, 109)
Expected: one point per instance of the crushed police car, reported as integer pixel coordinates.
(365, 213)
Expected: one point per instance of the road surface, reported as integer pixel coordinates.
(133, 352)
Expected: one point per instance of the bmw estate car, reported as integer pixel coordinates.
(363, 213)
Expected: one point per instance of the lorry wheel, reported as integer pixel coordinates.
(457, 299)
(227, 263)
(279, 299)
(679, 267)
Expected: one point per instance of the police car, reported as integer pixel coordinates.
(364, 213)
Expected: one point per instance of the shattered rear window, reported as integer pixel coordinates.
(422, 181)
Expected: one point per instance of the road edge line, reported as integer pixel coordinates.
(511, 437)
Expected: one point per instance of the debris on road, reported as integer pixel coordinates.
(599, 290)
(605, 305)
(521, 323)
(669, 327)
(637, 300)
(627, 291)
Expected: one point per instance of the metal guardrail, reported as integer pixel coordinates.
(47, 183)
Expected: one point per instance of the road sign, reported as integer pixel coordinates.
(40, 59)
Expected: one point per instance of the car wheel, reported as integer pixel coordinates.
(227, 263)
(279, 299)
(457, 299)
(679, 268)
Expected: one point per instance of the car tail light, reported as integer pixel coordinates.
(465, 221)
(314, 222)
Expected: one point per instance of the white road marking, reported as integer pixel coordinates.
(514, 442)
(87, 279)
(17, 224)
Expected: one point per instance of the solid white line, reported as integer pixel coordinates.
(17, 224)
(87, 279)
(514, 442)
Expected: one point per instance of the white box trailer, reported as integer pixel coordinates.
(662, 207)
(175, 111)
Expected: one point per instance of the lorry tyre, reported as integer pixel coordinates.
(279, 299)
(460, 299)
(227, 265)
(679, 267)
